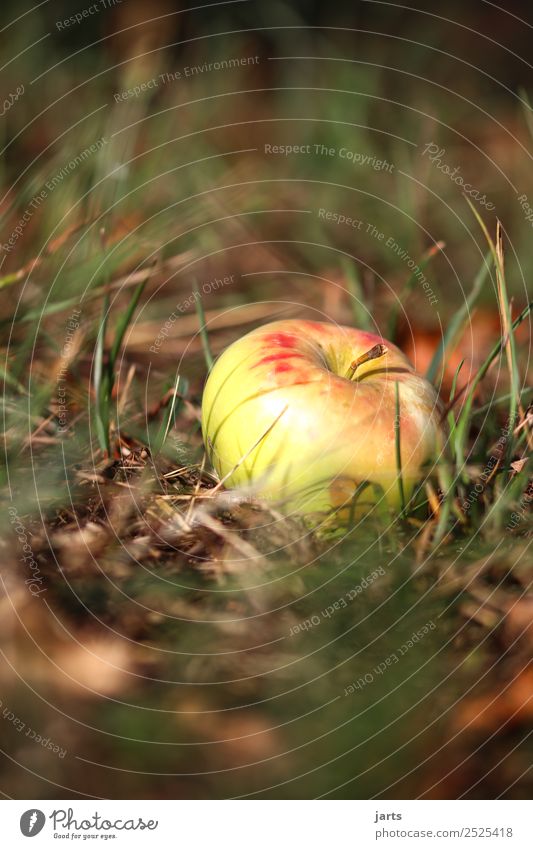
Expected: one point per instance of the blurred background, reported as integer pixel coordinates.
(297, 159)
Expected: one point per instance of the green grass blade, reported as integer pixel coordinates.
(397, 444)
(101, 379)
(206, 347)
(408, 288)
(125, 320)
(170, 412)
(361, 316)
(451, 414)
(528, 111)
(464, 418)
(458, 321)
(526, 391)
(506, 321)
(447, 484)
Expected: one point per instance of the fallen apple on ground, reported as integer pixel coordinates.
(304, 413)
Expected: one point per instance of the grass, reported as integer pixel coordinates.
(398, 446)
(105, 366)
(458, 322)
(209, 359)
(166, 644)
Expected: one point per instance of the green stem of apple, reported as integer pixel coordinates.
(374, 353)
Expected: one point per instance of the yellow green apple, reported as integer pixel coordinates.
(305, 414)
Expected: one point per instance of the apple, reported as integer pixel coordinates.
(304, 413)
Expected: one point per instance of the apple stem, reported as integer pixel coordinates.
(373, 354)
